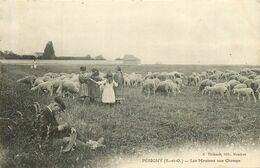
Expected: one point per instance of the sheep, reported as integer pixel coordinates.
(178, 81)
(222, 90)
(126, 82)
(252, 76)
(226, 84)
(233, 83)
(257, 77)
(235, 76)
(248, 82)
(167, 87)
(214, 77)
(68, 87)
(28, 80)
(38, 81)
(194, 78)
(205, 83)
(241, 79)
(150, 85)
(45, 86)
(135, 79)
(245, 92)
(255, 85)
(241, 85)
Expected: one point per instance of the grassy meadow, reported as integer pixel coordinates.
(138, 125)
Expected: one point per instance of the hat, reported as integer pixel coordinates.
(60, 102)
(94, 70)
(83, 68)
(118, 68)
(109, 74)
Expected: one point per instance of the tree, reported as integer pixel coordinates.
(99, 57)
(49, 52)
(88, 57)
(118, 58)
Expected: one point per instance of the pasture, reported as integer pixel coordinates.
(138, 125)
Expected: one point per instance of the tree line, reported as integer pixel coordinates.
(49, 53)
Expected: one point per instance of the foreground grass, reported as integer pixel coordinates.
(138, 125)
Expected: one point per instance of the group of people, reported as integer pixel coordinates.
(92, 86)
(110, 90)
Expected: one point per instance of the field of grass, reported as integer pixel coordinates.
(139, 125)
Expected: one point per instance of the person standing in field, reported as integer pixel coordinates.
(93, 88)
(119, 79)
(108, 94)
(83, 90)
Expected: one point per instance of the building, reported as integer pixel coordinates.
(131, 60)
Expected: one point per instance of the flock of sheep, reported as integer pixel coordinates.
(245, 83)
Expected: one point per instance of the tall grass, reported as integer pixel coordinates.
(138, 124)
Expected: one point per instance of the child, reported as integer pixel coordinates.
(83, 90)
(108, 94)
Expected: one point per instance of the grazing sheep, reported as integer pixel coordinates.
(149, 86)
(241, 79)
(205, 83)
(241, 85)
(255, 85)
(68, 87)
(252, 76)
(226, 84)
(28, 80)
(45, 86)
(167, 88)
(245, 92)
(179, 82)
(248, 82)
(214, 77)
(222, 90)
(38, 81)
(232, 83)
(126, 82)
(257, 77)
(194, 78)
(234, 77)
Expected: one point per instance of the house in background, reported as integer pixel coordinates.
(131, 60)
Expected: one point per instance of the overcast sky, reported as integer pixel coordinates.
(172, 32)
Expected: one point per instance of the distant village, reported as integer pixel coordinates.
(49, 54)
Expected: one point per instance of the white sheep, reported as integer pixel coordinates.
(150, 85)
(240, 86)
(222, 90)
(245, 92)
(233, 83)
(226, 84)
(45, 86)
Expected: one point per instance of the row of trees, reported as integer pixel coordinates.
(49, 53)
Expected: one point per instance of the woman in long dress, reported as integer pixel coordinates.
(108, 94)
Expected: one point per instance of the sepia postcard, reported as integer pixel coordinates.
(129, 83)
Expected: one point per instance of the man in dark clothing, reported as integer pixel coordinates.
(48, 125)
(49, 128)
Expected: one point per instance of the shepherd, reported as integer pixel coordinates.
(49, 128)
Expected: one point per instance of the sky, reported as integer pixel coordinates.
(167, 32)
